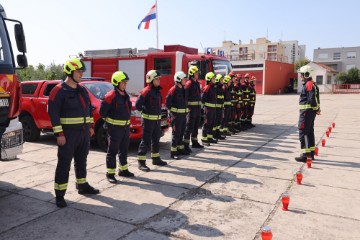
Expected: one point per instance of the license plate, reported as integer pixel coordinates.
(4, 102)
(163, 123)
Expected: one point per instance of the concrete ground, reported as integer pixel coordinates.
(227, 191)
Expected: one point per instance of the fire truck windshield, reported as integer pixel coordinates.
(221, 67)
(6, 61)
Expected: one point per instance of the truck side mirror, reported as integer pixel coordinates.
(20, 38)
(22, 60)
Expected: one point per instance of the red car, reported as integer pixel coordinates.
(35, 118)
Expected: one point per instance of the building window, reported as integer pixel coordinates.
(349, 66)
(351, 55)
(328, 80)
(323, 55)
(336, 56)
(319, 79)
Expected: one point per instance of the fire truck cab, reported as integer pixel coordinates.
(11, 134)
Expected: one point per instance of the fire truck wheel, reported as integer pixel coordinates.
(102, 138)
(31, 132)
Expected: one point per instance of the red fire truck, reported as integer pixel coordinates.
(10, 128)
(136, 63)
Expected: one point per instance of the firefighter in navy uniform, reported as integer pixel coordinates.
(252, 101)
(240, 102)
(115, 109)
(219, 107)
(246, 102)
(227, 107)
(234, 102)
(176, 104)
(70, 112)
(193, 96)
(208, 98)
(309, 104)
(149, 103)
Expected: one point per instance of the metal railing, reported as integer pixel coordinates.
(346, 88)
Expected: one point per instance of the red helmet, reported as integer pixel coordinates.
(253, 78)
(238, 76)
(247, 75)
(232, 74)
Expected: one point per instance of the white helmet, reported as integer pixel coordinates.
(307, 71)
(179, 76)
(151, 75)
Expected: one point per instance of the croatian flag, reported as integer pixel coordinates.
(145, 23)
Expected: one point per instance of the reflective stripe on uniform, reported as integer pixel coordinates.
(111, 170)
(304, 106)
(117, 122)
(77, 120)
(227, 103)
(179, 110)
(57, 129)
(60, 187)
(141, 158)
(154, 155)
(123, 167)
(81, 180)
(197, 103)
(210, 105)
(306, 150)
(151, 117)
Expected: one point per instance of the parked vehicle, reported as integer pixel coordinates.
(34, 109)
(10, 129)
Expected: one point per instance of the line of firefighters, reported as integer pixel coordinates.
(228, 106)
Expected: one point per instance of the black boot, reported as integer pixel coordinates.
(111, 178)
(87, 189)
(185, 151)
(142, 166)
(60, 202)
(125, 173)
(175, 155)
(302, 158)
(205, 142)
(313, 155)
(159, 162)
(227, 133)
(212, 140)
(196, 145)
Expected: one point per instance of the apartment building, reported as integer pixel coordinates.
(341, 59)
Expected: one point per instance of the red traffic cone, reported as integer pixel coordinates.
(323, 142)
(299, 177)
(266, 233)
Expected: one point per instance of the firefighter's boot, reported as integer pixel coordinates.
(111, 178)
(125, 173)
(142, 166)
(196, 145)
(60, 202)
(313, 155)
(175, 155)
(158, 162)
(87, 189)
(302, 158)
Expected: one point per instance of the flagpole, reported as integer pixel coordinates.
(157, 26)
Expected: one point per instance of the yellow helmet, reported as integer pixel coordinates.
(193, 70)
(151, 75)
(118, 77)
(227, 79)
(72, 65)
(218, 77)
(209, 76)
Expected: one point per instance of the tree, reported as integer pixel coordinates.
(41, 72)
(350, 77)
(299, 63)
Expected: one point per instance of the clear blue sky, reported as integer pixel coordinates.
(57, 29)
